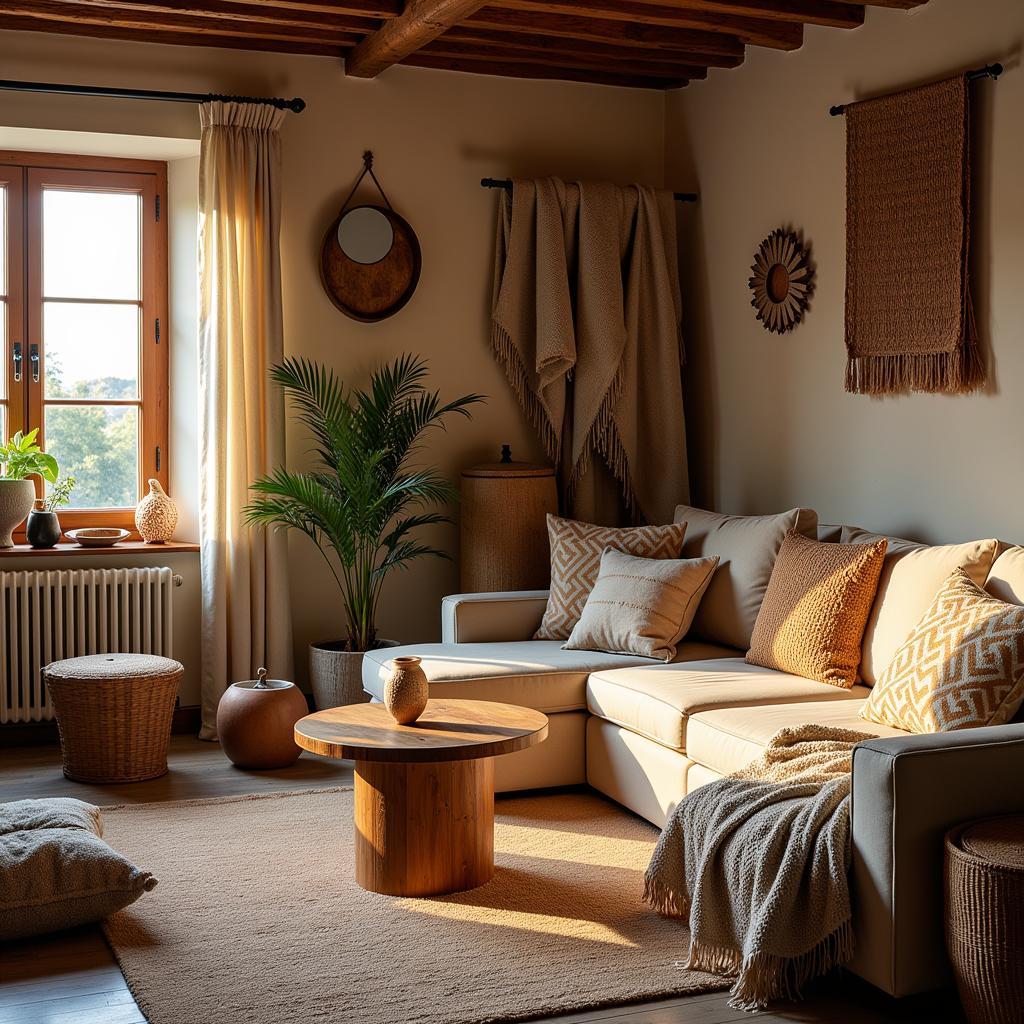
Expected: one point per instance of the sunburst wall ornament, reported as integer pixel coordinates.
(783, 281)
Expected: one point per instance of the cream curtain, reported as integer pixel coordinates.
(246, 610)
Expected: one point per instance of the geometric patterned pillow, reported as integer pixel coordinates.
(962, 665)
(576, 550)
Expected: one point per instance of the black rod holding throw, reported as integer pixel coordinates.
(506, 183)
(988, 71)
(295, 105)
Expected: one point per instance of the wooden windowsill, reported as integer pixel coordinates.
(126, 547)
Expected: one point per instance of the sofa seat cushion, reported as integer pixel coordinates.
(536, 674)
(727, 739)
(657, 701)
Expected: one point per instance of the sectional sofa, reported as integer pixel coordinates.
(645, 733)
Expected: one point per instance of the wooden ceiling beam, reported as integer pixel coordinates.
(508, 69)
(358, 15)
(59, 11)
(420, 22)
(605, 30)
(334, 47)
(467, 34)
(831, 13)
(779, 35)
(622, 64)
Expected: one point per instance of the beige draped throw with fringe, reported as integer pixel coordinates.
(246, 617)
(757, 864)
(586, 325)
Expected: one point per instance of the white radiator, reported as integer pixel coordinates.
(46, 616)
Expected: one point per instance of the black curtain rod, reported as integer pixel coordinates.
(988, 71)
(506, 183)
(295, 105)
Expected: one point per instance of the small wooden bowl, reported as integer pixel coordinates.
(98, 536)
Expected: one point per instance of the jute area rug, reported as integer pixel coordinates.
(257, 919)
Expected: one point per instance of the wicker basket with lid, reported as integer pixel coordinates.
(504, 539)
(114, 714)
(985, 917)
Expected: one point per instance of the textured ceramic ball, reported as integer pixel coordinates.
(406, 690)
(256, 722)
(156, 516)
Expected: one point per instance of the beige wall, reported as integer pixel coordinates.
(770, 425)
(433, 135)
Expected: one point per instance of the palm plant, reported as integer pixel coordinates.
(363, 501)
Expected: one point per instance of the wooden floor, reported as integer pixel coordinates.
(73, 979)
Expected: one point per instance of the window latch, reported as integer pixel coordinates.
(33, 358)
(16, 357)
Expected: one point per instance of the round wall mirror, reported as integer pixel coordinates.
(365, 235)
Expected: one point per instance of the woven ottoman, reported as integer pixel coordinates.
(114, 714)
(984, 871)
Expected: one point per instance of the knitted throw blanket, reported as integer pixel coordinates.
(909, 322)
(757, 862)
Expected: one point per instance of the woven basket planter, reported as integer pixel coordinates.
(984, 872)
(114, 715)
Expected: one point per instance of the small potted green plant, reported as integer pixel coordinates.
(43, 527)
(20, 459)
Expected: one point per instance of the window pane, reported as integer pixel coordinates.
(90, 244)
(3, 239)
(99, 446)
(91, 351)
(3, 351)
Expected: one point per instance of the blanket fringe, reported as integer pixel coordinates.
(508, 356)
(665, 899)
(960, 371)
(762, 977)
(596, 431)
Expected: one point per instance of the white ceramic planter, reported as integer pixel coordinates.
(336, 675)
(16, 500)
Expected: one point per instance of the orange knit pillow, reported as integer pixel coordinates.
(812, 619)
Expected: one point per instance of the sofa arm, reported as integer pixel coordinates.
(491, 618)
(907, 792)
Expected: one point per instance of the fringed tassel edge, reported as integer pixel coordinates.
(664, 898)
(507, 355)
(763, 977)
(596, 432)
(959, 371)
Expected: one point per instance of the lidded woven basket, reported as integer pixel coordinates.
(114, 714)
(984, 881)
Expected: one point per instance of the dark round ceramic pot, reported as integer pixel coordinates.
(42, 529)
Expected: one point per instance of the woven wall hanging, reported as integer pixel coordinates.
(782, 281)
(370, 257)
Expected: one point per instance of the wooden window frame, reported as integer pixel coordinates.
(148, 179)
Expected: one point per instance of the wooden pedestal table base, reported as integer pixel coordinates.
(424, 793)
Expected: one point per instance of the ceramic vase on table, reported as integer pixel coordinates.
(256, 722)
(406, 690)
(156, 516)
(16, 500)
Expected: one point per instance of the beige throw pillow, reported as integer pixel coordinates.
(576, 550)
(962, 665)
(55, 870)
(812, 618)
(641, 606)
(746, 547)
(911, 576)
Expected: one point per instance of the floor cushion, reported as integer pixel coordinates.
(727, 739)
(746, 547)
(535, 674)
(911, 577)
(657, 701)
(56, 871)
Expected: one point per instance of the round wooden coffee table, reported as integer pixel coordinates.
(424, 793)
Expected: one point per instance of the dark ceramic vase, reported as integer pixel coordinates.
(42, 529)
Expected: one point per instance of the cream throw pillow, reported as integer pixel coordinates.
(812, 618)
(962, 665)
(911, 576)
(746, 547)
(641, 606)
(576, 560)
